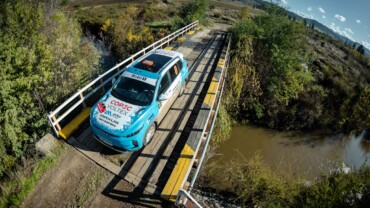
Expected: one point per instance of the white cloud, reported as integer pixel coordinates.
(334, 27)
(368, 35)
(344, 32)
(284, 1)
(366, 44)
(349, 30)
(323, 16)
(309, 9)
(340, 17)
(304, 15)
(358, 21)
(321, 10)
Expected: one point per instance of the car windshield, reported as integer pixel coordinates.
(133, 91)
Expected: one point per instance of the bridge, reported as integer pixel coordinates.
(168, 166)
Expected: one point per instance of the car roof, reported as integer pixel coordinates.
(153, 62)
(160, 59)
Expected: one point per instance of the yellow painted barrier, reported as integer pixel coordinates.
(211, 92)
(168, 48)
(191, 32)
(198, 28)
(178, 174)
(182, 39)
(221, 63)
(72, 126)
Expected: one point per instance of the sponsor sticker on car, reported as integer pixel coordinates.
(101, 107)
(115, 114)
(140, 78)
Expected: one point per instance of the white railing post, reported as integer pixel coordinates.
(57, 123)
(52, 125)
(83, 100)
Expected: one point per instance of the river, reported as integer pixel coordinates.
(307, 155)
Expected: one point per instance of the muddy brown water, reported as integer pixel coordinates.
(307, 155)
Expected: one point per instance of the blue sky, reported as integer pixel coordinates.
(350, 18)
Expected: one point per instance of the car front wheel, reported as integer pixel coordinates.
(149, 134)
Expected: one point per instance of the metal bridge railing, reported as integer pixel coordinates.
(56, 116)
(184, 192)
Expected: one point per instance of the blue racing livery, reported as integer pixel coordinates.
(126, 117)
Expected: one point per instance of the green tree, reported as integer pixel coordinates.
(42, 60)
(24, 60)
(195, 10)
(354, 45)
(360, 114)
(267, 65)
(126, 36)
(361, 49)
(75, 61)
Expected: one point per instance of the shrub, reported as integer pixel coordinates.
(337, 190)
(42, 60)
(217, 13)
(222, 129)
(254, 183)
(194, 10)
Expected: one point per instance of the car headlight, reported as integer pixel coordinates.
(135, 133)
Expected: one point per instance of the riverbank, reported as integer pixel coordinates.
(251, 182)
(308, 155)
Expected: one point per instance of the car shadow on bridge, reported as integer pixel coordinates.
(136, 197)
(117, 188)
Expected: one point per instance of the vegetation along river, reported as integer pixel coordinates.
(307, 155)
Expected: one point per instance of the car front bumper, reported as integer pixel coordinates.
(119, 144)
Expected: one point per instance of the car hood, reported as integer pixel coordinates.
(114, 116)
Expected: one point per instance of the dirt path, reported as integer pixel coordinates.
(69, 184)
(76, 181)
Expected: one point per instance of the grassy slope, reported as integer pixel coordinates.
(17, 189)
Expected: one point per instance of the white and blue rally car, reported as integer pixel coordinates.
(127, 116)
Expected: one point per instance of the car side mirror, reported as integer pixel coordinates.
(163, 97)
